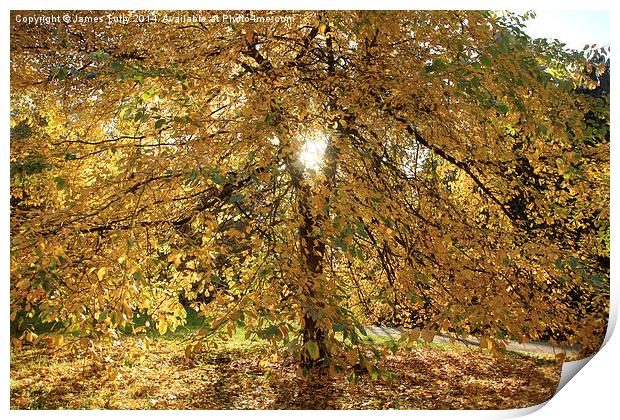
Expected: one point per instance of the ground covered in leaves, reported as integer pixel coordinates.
(239, 377)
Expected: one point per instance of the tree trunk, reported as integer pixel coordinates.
(313, 250)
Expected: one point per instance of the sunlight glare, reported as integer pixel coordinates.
(312, 151)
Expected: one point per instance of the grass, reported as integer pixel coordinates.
(241, 374)
(238, 340)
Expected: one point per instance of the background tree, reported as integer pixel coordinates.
(460, 182)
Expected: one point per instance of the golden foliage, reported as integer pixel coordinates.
(464, 184)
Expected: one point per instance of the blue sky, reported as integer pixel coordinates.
(575, 28)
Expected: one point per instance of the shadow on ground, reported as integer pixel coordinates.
(163, 379)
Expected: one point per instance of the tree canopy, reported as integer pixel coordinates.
(455, 180)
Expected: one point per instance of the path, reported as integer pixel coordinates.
(539, 347)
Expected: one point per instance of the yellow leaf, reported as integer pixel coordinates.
(162, 326)
(413, 337)
(188, 351)
(428, 335)
(559, 357)
(486, 344)
(313, 349)
(30, 336)
(127, 310)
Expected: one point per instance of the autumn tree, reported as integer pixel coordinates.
(306, 174)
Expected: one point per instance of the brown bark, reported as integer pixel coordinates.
(313, 249)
